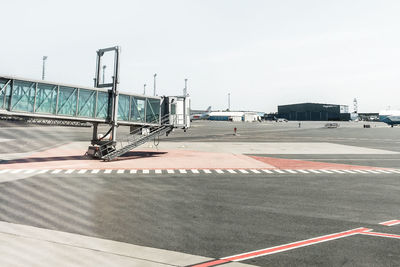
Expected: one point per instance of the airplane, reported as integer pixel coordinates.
(390, 117)
(199, 114)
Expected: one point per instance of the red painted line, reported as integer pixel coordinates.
(281, 248)
(381, 234)
(390, 223)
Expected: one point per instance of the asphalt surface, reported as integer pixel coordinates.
(219, 215)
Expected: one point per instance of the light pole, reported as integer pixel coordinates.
(104, 73)
(229, 101)
(155, 75)
(185, 89)
(144, 89)
(44, 67)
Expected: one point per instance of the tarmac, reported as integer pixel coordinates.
(208, 194)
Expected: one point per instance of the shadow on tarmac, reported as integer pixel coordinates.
(126, 156)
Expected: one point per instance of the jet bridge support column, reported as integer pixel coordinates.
(113, 94)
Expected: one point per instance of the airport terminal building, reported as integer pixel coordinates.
(314, 112)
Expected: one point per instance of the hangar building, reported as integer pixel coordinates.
(314, 112)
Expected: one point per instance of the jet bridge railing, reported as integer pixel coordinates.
(32, 98)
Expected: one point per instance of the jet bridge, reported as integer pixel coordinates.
(148, 116)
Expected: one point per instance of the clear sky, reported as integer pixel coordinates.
(264, 53)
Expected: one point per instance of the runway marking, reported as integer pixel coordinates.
(206, 171)
(361, 171)
(390, 223)
(384, 171)
(348, 171)
(267, 171)
(381, 235)
(282, 248)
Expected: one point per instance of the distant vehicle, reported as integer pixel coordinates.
(390, 117)
(200, 115)
(281, 120)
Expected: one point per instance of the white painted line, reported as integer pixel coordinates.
(279, 171)
(82, 171)
(219, 171)
(372, 171)
(43, 171)
(158, 171)
(325, 171)
(314, 171)
(56, 171)
(267, 171)
(395, 171)
(337, 171)
(243, 171)
(170, 171)
(361, 171)
(182, 171)
(4, 171)
(231, 171)
(95, 171)
(291, 171)
(120, 171)
(107, 171)
(195, 171)
(255, 171)
(146, 171)
(133, 171)
(349, 171)
(16, 171)
(384, 171)
(69, 171)
(303, 171)
(206, 171)
(29, 171)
